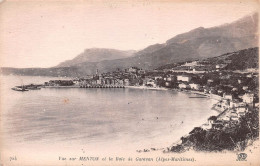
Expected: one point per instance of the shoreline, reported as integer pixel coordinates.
(146, 88)
(212, 96)
(190, 92)
(204, 95)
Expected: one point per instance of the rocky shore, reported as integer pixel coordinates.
(233, 136)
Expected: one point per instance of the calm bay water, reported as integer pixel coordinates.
(103, 119)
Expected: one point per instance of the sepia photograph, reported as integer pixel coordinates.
(127, 82)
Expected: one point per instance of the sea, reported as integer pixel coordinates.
(62, 121)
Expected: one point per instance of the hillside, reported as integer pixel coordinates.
(239, 60)
(199, 43)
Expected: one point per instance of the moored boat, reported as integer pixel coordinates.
(22, 89)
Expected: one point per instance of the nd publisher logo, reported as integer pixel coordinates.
(241, 157)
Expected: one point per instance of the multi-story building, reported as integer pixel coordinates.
(183, 78)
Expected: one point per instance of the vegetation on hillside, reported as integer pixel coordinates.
(235, 137)
(239, 60)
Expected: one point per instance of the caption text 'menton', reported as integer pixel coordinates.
(131, 159)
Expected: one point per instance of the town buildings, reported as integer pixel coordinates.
(236, 90)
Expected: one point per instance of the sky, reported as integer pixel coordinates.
(45, 33)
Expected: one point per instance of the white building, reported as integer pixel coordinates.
(234, 104)
(132, 70)
(157, 77)
(167, 84)
(220, 66)
(183, 86)
(225, 104)
(210, 80)
(151, 83)
(206, 126)
(248, 98)
(241, 110)
(245, 87)
(234, 118)
(183, 78)
(126, 82)
(225, 118)
(169, 79)
(195, 86)
(119, 82)
(76, 82)
(194, 63)
(141, 71)
(230, 97)
(234, 89)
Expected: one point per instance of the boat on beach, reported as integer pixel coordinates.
(198, 97)
(146, 88)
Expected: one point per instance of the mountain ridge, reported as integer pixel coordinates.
(240, 60)
(198, 43)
